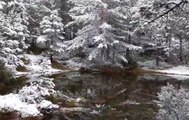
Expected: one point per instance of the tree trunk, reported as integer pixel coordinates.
(157, 61)
(181, 50)
(51, 57)
(128, 51)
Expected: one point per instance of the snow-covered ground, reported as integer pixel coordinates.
(151, 64)
(40, 65)
(75, 64)
(28, 101)
(31, 98)
(178, 72)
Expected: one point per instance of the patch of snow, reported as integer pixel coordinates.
(101, 45)
(178, 77)
(105, 26)
(2, 5)
(75, 64)
(31, 98)
(28, 101)
(178, 73)
(74, 109)
(40, 65)
(116, 42)
(179, 70)
(98, 38)
(151, 64)
(12, 102)
(47, 104)
(41, 39)
(130, 102)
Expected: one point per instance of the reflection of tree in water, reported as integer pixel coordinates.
(113, 91)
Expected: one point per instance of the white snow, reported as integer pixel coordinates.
(47, 104)
(2, 4)
(98, 38)
(28, 101)
(105, 26)
(179, 70)
(12, 102)
(101, 45)
(40, 65)
(31, 98)
(41, 39)
(72, 63)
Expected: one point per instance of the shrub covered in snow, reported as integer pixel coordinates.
(173, 103)
(30, 100)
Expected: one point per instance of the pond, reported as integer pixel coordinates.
(112, 97)
(106, 96)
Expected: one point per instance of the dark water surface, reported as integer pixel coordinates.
(106, 97)
(113, 97)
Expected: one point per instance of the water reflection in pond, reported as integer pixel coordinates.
(114, 97)
(106, 97)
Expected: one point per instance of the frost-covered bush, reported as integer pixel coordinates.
(30, 100)
(173, 103)
(36, 91)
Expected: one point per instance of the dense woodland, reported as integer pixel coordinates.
(37, 37)
(94, 32)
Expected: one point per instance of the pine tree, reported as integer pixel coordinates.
(13, 33)
(15, 23)
(166, 28)
(96, 40)
(52, 27)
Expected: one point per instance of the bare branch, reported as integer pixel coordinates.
(182, 2)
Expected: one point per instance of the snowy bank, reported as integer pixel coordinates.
(29, 100)
(151, 64)
(40, 65)
(179, 72)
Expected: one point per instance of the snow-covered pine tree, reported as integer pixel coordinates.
(96, 41)
(173, 103)
(166, 30)
(122, 17)
(13, 32)
(36, 10)
(52, 27)
(15, 22)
